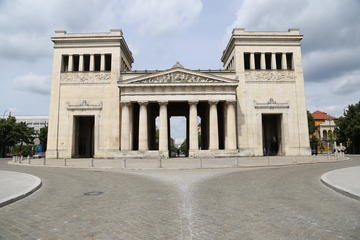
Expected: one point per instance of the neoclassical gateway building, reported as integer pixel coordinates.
(102, 108)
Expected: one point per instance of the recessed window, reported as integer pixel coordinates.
(76, 63)
(246, 61)
(97, 60)
(107, 62)
(268, 60)
(289, 60)
(86, 62)
(278, 60)
(257, 57)
(65, 63)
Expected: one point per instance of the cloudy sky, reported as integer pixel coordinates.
(194, 32)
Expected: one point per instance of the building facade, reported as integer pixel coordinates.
(101, 107)
(325, 131)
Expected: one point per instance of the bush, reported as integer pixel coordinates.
(25, 150)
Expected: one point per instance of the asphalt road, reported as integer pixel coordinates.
(265, 203)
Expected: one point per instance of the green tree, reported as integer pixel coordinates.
(311, 123)
(184, 147)
(12, 133)
(8, 136)
(43, 137)
(348, 128)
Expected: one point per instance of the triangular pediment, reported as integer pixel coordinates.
(179, 75)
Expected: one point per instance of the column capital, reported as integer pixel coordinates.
(125, 102)
(213, 102)
(193, 102)
(143, 102)
(161, 103)
(231, 101)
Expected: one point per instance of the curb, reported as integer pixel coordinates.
(338, 189)
(23, 194)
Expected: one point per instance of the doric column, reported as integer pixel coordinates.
(81, 63)
(163, 130)
(273, 61)
(143, 127)
(213, 124)
(283, 61)
(262, 61)
(193, 126)
(252, 61)
(92, 63)
(71, 63)
(102, 62)
(231, 125)
(125, 126)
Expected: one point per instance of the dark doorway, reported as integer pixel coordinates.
(83, 136)
(178, 129)
(271, 129)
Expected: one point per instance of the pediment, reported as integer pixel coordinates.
(179, 76)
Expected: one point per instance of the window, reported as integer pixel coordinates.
(268, 60)
(107, 62)
(257, 57)
(86, 62)
(278, 60)
(76, 63)
(65, 63)
(97, 59)
(246, 61)
(289, 60)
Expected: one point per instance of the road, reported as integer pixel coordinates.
(263, 203)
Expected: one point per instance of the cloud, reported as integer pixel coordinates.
(26, 26)
(33, 83)
(330, 47)
(160, 16)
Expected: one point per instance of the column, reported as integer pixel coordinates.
(71, 64)
(273, 61)
(92, 63)
(125, 126)
(163, 128)
(213, 124)
(102, 62)
(193, 126)
(252, 61)
(81, 63)
(231, 125)
(283, 61)
(262, 61)
(143, 127)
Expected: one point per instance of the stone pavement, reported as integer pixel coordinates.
(16, 185)
(179, 163)
(271, 203)
(345, 180)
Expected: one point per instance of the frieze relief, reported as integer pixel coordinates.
(85, 77)
(268, 75)
(178, 77)
(271, 104)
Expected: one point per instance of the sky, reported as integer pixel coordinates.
(194, 32)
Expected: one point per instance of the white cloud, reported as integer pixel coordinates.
(33, 83)
(159, 16)
(348, 83)
(27, 25)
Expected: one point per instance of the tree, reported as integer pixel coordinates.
(43, 137)
(8, 137)
(348, 128)
(12, 133)
(311, 123)
(184, 147)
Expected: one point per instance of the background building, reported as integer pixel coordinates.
(325, 131)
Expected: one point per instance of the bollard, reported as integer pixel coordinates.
(268, 160)
(21, 158)
(28, 158)
(124, 160)
(44, 161)
(65, 162)
(92, 162)
(201, 163)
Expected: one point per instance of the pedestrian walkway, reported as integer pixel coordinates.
(16, 185)
(345, 181)
(178, 163)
